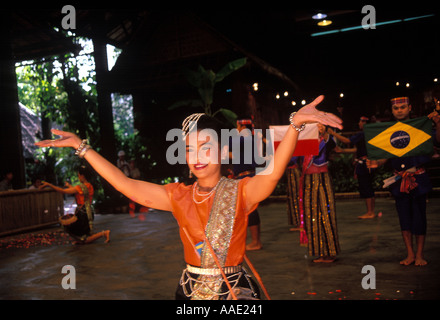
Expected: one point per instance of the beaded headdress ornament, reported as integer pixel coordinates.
(189, 123)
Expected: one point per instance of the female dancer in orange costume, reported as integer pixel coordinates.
(211, 213)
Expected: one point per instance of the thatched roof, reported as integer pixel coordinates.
(30, 129)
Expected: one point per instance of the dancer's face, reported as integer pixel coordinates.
(203, 154)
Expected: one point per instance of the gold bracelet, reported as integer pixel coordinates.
(81, 146)
(84, 151)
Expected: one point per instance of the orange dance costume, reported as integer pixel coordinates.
(221, 219)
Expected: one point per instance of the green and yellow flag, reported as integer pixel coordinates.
(399, 139)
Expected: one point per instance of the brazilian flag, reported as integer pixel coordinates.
(399, 138)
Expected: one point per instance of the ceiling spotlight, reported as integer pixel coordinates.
(324, 23)
(319, 16)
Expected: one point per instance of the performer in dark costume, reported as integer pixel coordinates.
(363, 174)
(410, 191)
(293, 184)
(319, 203)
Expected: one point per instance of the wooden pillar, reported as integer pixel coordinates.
(11, 147)
(105, 110)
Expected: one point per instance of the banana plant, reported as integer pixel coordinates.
(204, 81)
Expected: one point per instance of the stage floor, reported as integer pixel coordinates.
(144, 259)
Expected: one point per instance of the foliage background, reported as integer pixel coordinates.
(61, 91)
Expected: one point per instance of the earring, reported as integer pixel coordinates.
(190, 174)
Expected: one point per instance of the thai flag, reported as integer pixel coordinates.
(308, 139)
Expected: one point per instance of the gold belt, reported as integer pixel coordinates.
(212, 271)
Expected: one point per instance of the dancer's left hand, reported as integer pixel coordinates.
(309, 114)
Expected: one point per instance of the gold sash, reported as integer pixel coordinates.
(218, 232)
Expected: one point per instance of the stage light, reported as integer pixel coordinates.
(324, 23)
(319, 16)
(376, 24)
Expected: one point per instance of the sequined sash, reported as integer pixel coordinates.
(218, 232)
(221, 222)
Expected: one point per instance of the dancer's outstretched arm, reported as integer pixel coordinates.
(145, 193)
(262, 185)
(69, 190)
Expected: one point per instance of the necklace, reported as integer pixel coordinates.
(208, 195)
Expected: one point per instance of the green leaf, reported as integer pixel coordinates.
(192, 103)
(193, 77)
(206, 88)
(229, 115)
(229, 68)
